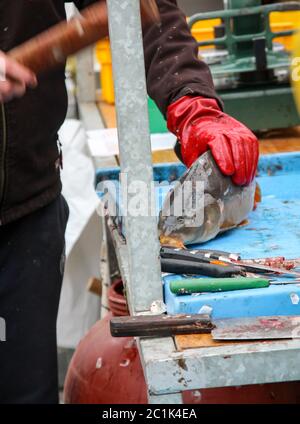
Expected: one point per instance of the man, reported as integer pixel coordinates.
(33, 214)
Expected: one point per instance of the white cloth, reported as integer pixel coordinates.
(79, 309)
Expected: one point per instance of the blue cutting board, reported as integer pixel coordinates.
(273, 230)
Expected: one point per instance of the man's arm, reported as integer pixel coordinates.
(182, 87)
(171, 55)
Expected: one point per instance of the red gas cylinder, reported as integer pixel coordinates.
(107, 370)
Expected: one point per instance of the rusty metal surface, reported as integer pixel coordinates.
(261, 328)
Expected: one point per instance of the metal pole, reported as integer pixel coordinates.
(135, 153)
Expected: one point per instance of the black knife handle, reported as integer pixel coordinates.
(175, 266)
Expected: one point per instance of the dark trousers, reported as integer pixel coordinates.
(31, 272)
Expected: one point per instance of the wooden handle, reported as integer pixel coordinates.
(160, 325)
(51, 48)
(150, 12)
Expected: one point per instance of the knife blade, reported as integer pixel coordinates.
(260, 328)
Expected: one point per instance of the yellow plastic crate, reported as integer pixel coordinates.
(204, 30)
(295, 68)
(285, 21)
(103, 54)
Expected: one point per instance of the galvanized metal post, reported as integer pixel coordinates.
(135, 153)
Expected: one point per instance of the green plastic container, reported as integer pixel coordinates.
(158, 124)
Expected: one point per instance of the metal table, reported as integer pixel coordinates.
(167, 371)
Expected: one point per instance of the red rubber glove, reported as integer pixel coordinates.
(200, 125)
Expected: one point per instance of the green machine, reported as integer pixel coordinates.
(251, 72)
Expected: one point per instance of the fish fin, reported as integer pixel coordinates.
(173, 242)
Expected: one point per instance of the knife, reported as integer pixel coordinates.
(260, 328)
(178, 266)
(257, 328)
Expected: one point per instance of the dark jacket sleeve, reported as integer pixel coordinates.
(82, 3)
(171, 56)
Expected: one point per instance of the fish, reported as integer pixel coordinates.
(212, 204)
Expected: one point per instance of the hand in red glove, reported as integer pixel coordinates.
(200, 125)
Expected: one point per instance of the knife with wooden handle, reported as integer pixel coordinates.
(51, 48)
(160, 325)
(232, 329)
